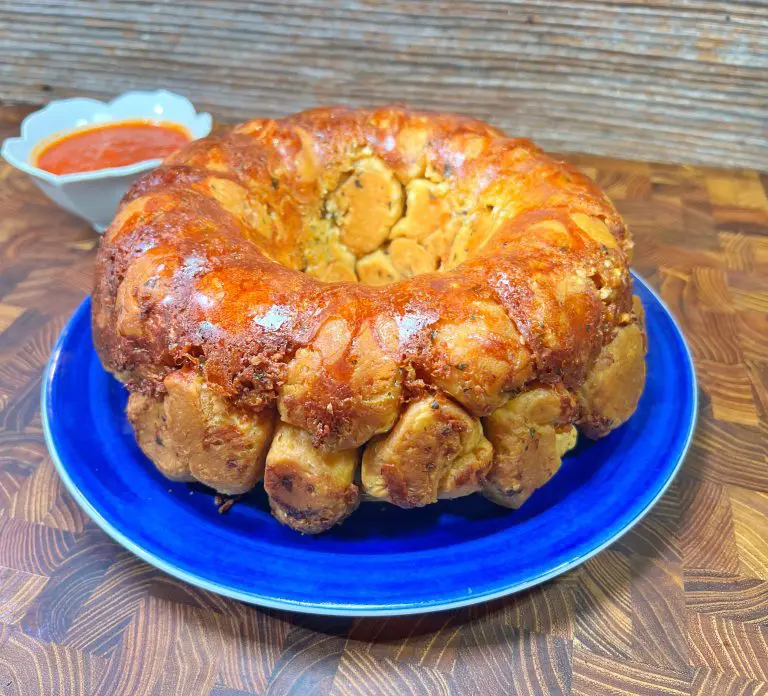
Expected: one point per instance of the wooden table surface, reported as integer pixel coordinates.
(678, 606)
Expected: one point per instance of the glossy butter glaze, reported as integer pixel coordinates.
(217, 265)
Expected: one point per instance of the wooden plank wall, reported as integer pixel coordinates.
(664, 80)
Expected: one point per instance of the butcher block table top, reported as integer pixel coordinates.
(677, 606)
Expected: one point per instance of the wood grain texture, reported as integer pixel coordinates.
(673, 80)
(677, 606)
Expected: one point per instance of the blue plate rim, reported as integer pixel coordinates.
(317, 608)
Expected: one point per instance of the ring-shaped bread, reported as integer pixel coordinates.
(359, 304)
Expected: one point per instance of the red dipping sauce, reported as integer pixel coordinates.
(113, 144)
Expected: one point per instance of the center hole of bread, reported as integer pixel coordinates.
(374, 229)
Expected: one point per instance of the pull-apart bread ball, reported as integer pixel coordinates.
(367, 305)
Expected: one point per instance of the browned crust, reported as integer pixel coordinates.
(184, 280)
(211, 258)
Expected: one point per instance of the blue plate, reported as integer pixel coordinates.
(383, 560)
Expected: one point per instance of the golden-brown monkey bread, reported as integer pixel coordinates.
(377, 269)
(193, 434)
(309, 489)
(148, 417)
(369, 284)
(479, 358)
(436, 450)
(613, 386)
(367, 205)
(341, 373)
(529, 434)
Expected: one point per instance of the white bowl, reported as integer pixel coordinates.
(95, 195)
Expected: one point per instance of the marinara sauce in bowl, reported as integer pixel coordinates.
(84, 154)
(108, 145)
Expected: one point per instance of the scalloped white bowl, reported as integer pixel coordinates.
(95, 195)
